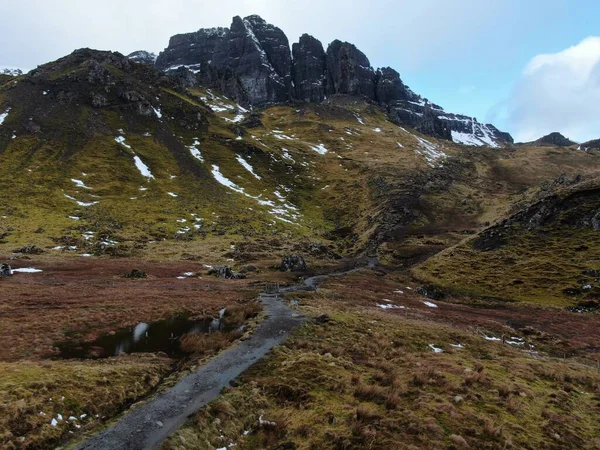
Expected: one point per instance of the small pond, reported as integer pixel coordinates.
(160, 336)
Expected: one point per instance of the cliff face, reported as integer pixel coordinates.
(308, 69)
(251, 62)
(253, 51)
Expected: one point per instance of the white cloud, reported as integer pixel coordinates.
(558, 92)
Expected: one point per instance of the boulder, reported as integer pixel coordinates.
(5, 270)
(293, 263)
(322, 318)
(136, 274)
(321, 250)
(226, 272)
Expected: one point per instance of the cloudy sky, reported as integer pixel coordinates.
(530, 67)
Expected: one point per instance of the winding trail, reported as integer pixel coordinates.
(148, 424)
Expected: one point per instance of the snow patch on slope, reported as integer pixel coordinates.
(195, 151)
(431, 153)
(4, 115)
(320, 149)
(281, 210)
(247, 166)
(143, 168)
(480, 135)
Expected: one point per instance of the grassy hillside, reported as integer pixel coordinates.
(545, 254)
(212, 172)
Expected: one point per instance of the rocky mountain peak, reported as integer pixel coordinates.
(251, 62)
(555, 139)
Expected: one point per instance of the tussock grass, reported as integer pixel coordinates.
(33, 393)
(384, 386)
(202, 344)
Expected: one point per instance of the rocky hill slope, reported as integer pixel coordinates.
(555, 139)
(103, 155)
(251, 62)
(545, 253)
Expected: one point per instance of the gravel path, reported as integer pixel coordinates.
(150, 423)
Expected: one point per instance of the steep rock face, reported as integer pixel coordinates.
(308, 71)
(468, 131)
(191, 49)
(252, 55)
(248, 58)
(389, 86)
(275, 44)
(349, 71)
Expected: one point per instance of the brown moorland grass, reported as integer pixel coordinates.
(80, 299)
(385, 388)
(78, 395)
(86, 297)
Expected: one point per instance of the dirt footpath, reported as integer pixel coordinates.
(147, 425)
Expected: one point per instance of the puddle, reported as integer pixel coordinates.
(161, 336)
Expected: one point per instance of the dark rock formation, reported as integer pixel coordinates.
(322, 318)
(575, 208)
(389, 86)
(143, 56)
(590, 145)
(226, 272)
(349, 71)
(554, 139)
(308, 71)
(5, 270)
(294, 263)
(251, 63)
(11, 72)
(29, 250)
(136, 274)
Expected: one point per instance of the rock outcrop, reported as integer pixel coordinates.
(251, 63)
(142, 56)
(349, 71)
(590, 145)
(11, 72)
(308, 71)
(5, 270)
(293, 263)
(556, 139)
(226, 272)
